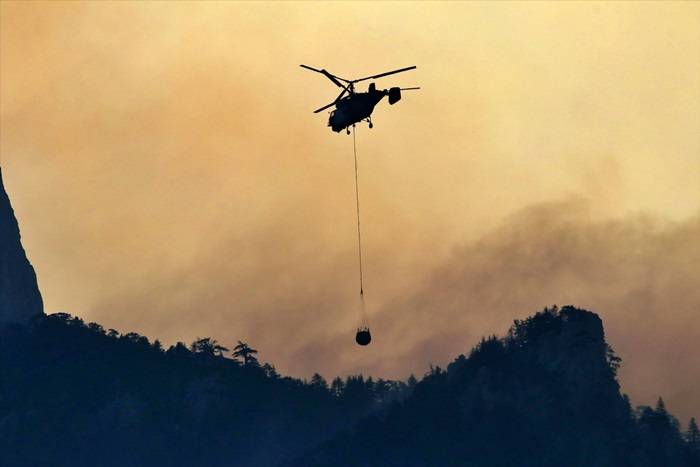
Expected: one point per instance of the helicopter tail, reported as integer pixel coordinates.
(394, 95)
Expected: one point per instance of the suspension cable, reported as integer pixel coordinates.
(357, 202)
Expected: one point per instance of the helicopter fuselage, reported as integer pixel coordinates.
(354, 108)
(357, 106)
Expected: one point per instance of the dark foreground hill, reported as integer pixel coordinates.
(76, 395)
(73, 394)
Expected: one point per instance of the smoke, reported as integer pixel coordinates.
(639, 273)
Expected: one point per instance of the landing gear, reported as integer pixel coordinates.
(369, 120)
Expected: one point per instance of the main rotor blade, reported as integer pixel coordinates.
(327, 75)
(311, 68)
(332, 103)
(384, 74)
(409, 89)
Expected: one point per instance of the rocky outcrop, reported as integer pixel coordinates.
(20, 299)
(544, 395)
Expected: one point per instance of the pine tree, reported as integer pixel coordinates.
(337, 386)
(318, 381)
(247, 353)
(270, 371)
(208, 346)
(660, 407)
(692, 436)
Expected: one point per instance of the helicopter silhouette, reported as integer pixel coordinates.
(357, 106)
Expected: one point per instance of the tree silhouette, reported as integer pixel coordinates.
(245, 352)
(96, 327)
(614, 361)
(319, 382)
(660, 407)
(178, 350)
(411, 382)
(693, 435)
(270, 371)
(208, 346)
(337, 386)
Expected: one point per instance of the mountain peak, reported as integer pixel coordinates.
(20, 299)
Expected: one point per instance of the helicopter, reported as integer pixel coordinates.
(357, 106)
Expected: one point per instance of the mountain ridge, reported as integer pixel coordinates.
(547, 390)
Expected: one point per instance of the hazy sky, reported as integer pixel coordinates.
(170, 177)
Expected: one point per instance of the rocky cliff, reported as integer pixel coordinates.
(20, 299)
(544, 395)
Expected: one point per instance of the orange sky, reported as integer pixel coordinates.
(170, 178)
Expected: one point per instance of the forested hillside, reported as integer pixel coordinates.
(544, 395)
(73, 394)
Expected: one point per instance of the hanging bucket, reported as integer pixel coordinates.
(363, 337)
